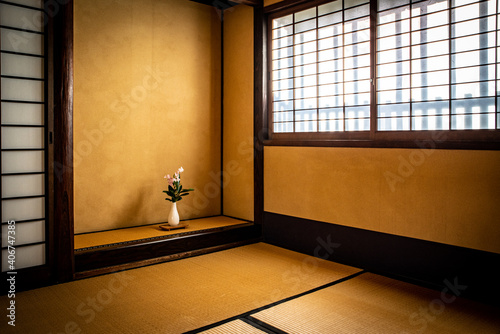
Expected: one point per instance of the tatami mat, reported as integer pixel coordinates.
(234, 327)
(150, 231)
(370, 303)
(173, 297)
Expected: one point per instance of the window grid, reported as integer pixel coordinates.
(461, 112)
(327, 97)
(497, 77)
(23, 130)
(430, 87)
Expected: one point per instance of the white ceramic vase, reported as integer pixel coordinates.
(173, 216)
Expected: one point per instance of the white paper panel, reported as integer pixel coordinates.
(352, 3)
(22, 18)
(23, 209)
(23, 137)
(22, 185)
(22, 113)
(23, 162)
(28, 256)
(31, 3)
(17, 137)
(22, 66)
(25, 233)
(19, 41)
(22, 90)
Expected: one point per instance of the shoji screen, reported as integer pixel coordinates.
(437, 64)
(23, 132)
(321, 68)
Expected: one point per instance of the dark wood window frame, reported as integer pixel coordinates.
(441, 139)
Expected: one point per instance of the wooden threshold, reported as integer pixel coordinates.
(167, 246)
(167, 258)
(139, 234)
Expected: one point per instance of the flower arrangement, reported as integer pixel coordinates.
(175, 190)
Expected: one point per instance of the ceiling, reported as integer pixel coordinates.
(225, 4)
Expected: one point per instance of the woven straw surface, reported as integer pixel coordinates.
(374, 304)
(172, 297)
(149, 231)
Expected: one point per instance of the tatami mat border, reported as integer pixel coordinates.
(270, 329)
(262, 325)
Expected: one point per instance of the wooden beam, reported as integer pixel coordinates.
(260, 101)
(225, 4)
(62, 243)
(249, 2)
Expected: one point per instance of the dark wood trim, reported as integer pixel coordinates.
(417, 261)
(167, 258)
(116, 256)
(288, 7)
(26, 279)
(373, 68)
(258, 3)
(222, 87)
(417, 144)
(225, 4)
(283, 5)
(260, 110)
(61, 27)
(1, 187)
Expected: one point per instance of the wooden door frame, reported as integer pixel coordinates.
(60, 48)
(59, 227)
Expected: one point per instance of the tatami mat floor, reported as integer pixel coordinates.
(252, 289)
(172, 297)
(369, 303)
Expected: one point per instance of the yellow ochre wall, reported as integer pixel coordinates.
(238, 112)
(446, 196)
(146, 101)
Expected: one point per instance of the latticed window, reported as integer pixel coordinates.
(376, 69)
(23, 131)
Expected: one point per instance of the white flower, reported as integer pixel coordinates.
(180, 170)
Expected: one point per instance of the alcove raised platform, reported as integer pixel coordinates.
(107, 251)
